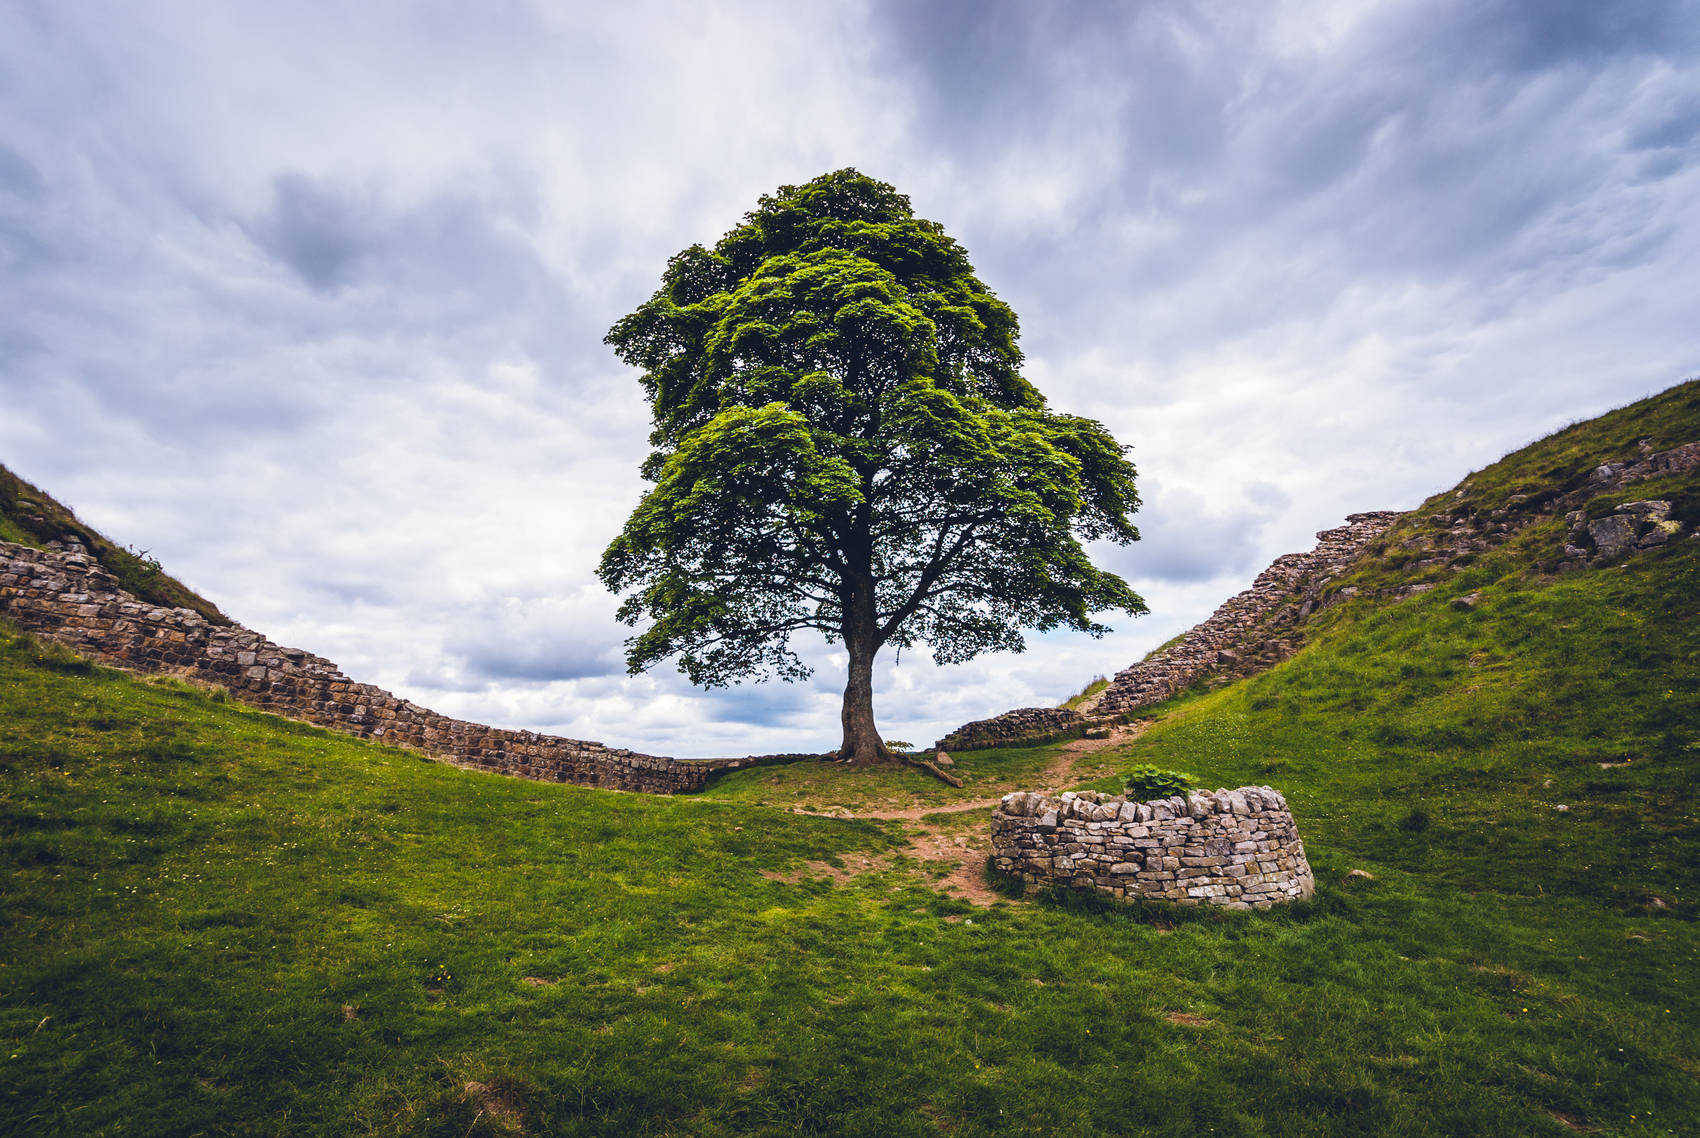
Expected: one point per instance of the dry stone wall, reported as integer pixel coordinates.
(1262, 626)
(1251, 631)
(1024, 726)
(64, 595)
(1235, 848)
(1238, 636)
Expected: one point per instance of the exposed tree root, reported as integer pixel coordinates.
(932, 769)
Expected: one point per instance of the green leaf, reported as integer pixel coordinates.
(844, 444)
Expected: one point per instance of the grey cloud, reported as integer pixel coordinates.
(1268, 496)
(465, 248)
(1187, 538)
(1674, 129)
(1421, 148)
(994, 71)
(351, 590)
(565, 660)
(17, 345)
(1536, 37)
(539, 638)
(1658, 167)
(967, 51)
(368, 297)
(22, 245)
(774, 704)
(18, 176)
(433, 679)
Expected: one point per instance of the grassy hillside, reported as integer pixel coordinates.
(31, 516)
(1517, 489)
(214, 921)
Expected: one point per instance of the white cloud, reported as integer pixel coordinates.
(308, 300)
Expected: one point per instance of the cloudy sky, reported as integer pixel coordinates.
(308, 299)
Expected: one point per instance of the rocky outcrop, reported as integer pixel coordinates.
(1235, 848)
(1684, 459)
(66, 596)
(1632, 526)
(1597, 533)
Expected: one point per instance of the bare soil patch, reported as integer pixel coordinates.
(960, 853)
(963, 854)
(497, 1104)
(853, 867)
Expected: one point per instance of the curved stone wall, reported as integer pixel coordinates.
(68, 597)
(1237, 848)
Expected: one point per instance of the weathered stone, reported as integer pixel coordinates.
(1653, 510)
(1613, 535)
(1024, 725)
(76, 602)
(1195, 855)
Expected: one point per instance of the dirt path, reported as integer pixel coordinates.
(963, 853)
(1059, 774)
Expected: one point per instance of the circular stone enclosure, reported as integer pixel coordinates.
(1236, 848)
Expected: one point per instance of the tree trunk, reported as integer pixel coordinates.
(862, 742)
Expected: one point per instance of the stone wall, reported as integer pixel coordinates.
(1252, 630)
(64, 595)
(1237, 848)
(1025, 726)
(1248, 632)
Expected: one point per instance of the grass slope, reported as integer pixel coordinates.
(31, 516)
(194, 893)
(213, 921)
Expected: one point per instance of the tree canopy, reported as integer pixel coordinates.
(844, 444)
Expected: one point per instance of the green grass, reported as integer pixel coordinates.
(1098, 684)
(194, 892)
(823, 786)
(213, 921)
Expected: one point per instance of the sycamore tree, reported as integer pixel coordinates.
(844, 444)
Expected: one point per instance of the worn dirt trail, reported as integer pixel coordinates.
(962, 853)
(1059, 774)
